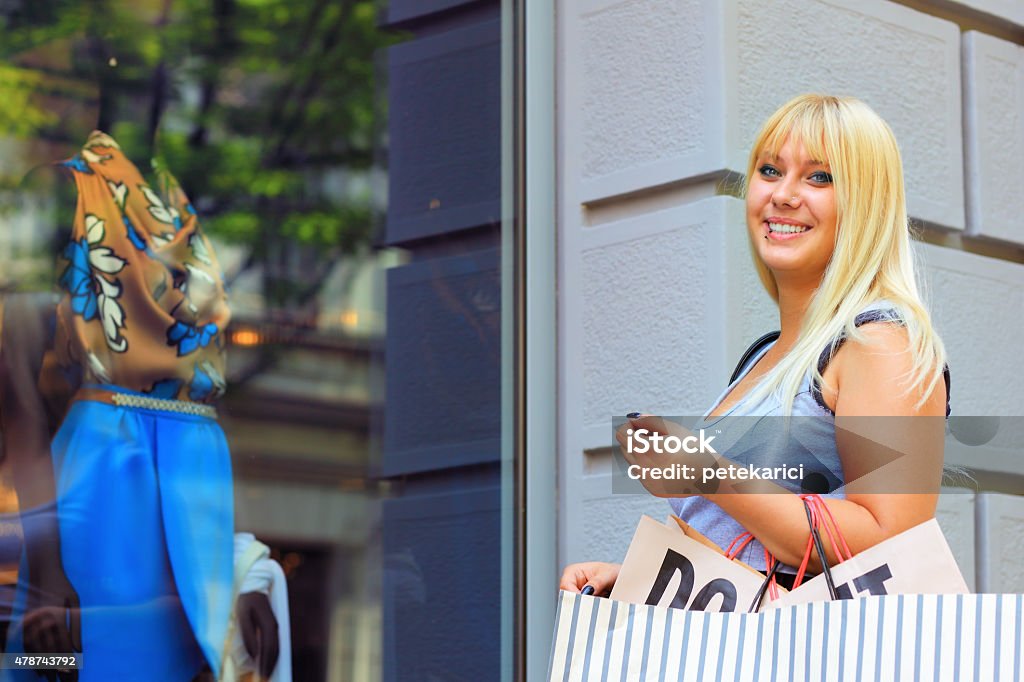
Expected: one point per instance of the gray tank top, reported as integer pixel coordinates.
(758, 434)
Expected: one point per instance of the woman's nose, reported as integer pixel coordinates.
(786, 195)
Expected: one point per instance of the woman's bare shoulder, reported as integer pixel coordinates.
(872, 372)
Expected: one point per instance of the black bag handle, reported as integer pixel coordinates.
(761, 591)
(825, 568)
(820, 549)
(753, 350)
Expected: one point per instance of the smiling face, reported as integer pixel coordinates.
(791, 213)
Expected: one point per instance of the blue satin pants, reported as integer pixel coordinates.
(145, 509)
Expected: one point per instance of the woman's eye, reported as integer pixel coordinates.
(769, 171)
(822, 177)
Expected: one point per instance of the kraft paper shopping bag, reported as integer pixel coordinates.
(679, 568)
(917, 561)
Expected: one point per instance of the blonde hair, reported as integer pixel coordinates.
(872, 260)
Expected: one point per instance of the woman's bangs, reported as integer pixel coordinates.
(802, 125)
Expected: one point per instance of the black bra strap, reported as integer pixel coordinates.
(887, 315)
(753, 350)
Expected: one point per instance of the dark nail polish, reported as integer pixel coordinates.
(632, 415)
(589, 589)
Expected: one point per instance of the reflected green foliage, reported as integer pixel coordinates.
(269, 107)
(29, 25)
(20, 116)
(287, 91)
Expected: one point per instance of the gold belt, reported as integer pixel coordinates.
(146, 402)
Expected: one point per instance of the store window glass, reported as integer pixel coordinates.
(251, 346)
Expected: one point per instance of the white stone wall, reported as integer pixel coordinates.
(994, 116)
(956, 517)
(978, 308)
(667, 90)
(658, 100)
(1001, 527)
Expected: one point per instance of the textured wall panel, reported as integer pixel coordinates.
(903, 63)
(976, 304)
(994, 132)
(752, 312)
(955, 515)
(651, 311)
(644, 107)
(609, 521)
(1001, 523)
(443, 364)
(669, 303)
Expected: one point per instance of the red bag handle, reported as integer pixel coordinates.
(835, 536)
(803, 562)
(770, 585)
(743, 539)
(732, 551)
(818, 512)
(773, 585)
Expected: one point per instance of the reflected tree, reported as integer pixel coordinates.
(270, 113)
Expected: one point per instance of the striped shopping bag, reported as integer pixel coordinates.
(911, 638)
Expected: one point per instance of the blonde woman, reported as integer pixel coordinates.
(857, 364)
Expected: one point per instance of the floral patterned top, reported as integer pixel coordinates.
(144, 305)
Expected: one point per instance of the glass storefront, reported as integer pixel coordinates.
(320, 238)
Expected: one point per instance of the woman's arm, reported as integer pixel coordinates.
(890, 451)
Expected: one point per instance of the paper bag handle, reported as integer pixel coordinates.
(769, 585)
(825, 568)
(821, 511)
(817, 511)
(732, 551)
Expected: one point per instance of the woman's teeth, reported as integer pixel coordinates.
(786, 229)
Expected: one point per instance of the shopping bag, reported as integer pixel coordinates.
(673, 565)
(943, 638)
(916, 561)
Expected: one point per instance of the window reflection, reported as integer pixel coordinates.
(268, 116)
(341, 160)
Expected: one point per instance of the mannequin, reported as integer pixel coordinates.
(46, 358)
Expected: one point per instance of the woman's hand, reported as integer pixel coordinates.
(685, 467)
(599, 575)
